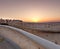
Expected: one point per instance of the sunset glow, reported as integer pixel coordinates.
(35, 20)
(30, 10)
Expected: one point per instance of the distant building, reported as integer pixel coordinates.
(17, 20)
(7, 21)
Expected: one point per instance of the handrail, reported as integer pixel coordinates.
(47, 44)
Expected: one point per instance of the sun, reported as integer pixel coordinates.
(35, 20)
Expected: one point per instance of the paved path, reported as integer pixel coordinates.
(19, 39)
(6, 45)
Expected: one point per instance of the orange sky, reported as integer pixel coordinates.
(30, 10)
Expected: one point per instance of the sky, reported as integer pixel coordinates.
(31, 10)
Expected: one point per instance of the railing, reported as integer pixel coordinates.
(47, 44)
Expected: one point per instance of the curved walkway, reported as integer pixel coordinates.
(6, 45)
(19, 39)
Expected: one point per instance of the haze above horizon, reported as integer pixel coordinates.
(31, 10)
